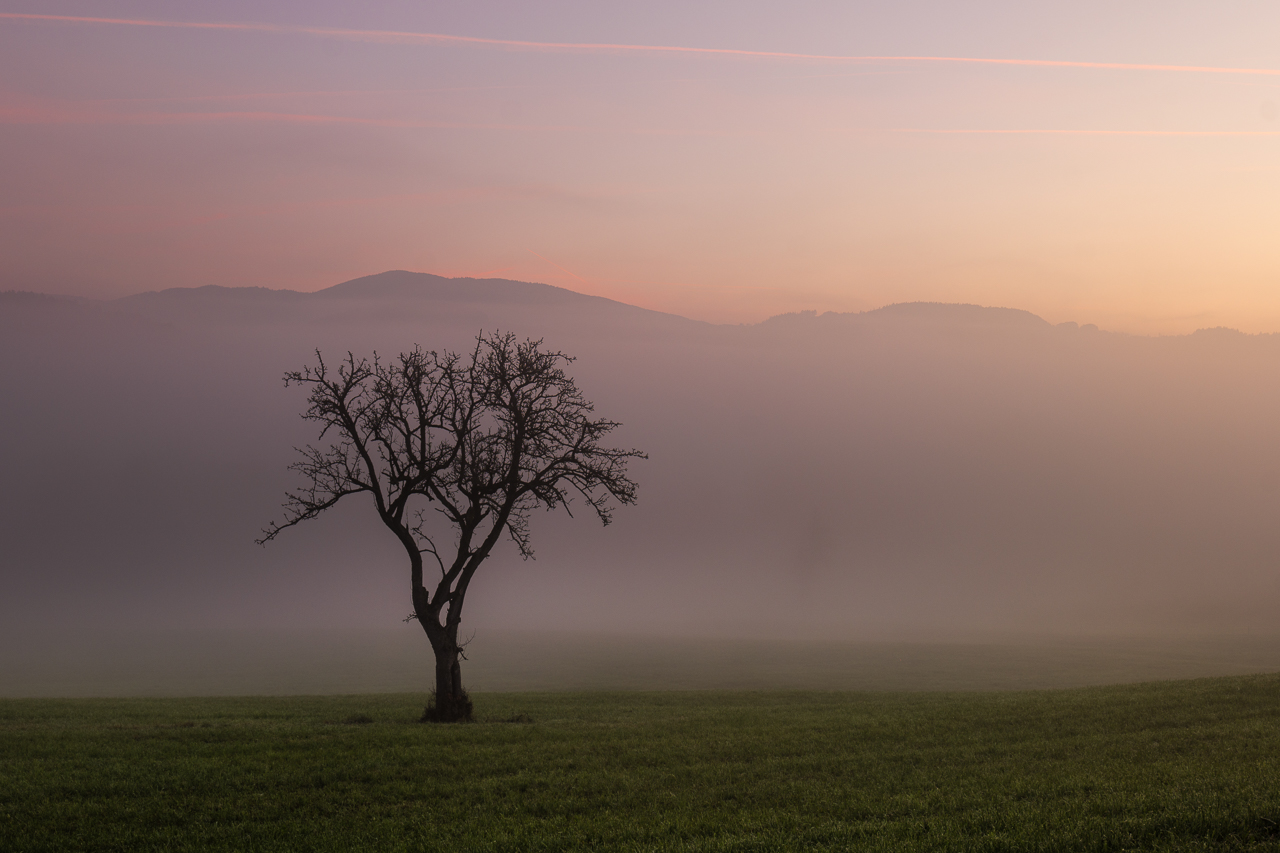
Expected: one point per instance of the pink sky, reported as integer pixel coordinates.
(725, 161)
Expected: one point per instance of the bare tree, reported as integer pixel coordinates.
(470, 445)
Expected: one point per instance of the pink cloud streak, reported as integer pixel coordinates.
(26, 110)
(392, 36)
(36, 112)
(305, 93)
(1063, 132)
(31, 111)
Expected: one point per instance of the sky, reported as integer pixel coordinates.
(1095, 162)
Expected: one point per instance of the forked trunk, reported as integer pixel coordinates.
(451, 703)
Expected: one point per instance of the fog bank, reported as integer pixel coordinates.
(911, 473)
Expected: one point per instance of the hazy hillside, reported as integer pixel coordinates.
(919, 470)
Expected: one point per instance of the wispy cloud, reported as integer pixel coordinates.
(25, 110)
(139, 22)
(402, 37)
(307, 93)
(19, 109)
(29, 111)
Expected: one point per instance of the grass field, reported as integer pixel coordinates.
(1190, 765)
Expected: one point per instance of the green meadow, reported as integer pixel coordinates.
(1178, 765)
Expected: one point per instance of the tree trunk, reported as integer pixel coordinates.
(451, 705)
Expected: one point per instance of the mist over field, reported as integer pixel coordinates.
(914, 473)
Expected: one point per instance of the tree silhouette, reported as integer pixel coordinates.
(470, 445)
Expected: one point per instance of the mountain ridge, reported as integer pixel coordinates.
(460, 290)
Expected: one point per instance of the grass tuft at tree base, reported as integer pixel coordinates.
(1165, 766)
(463, 710)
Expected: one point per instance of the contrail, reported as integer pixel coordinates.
(394, 36)
(1061, 132)
(557, 266)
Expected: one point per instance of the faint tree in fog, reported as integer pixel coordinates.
(467, 444)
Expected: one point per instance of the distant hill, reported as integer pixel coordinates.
(929, 317)
(416, 288)
(416, 285)
(472, 298)
(409, 296)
